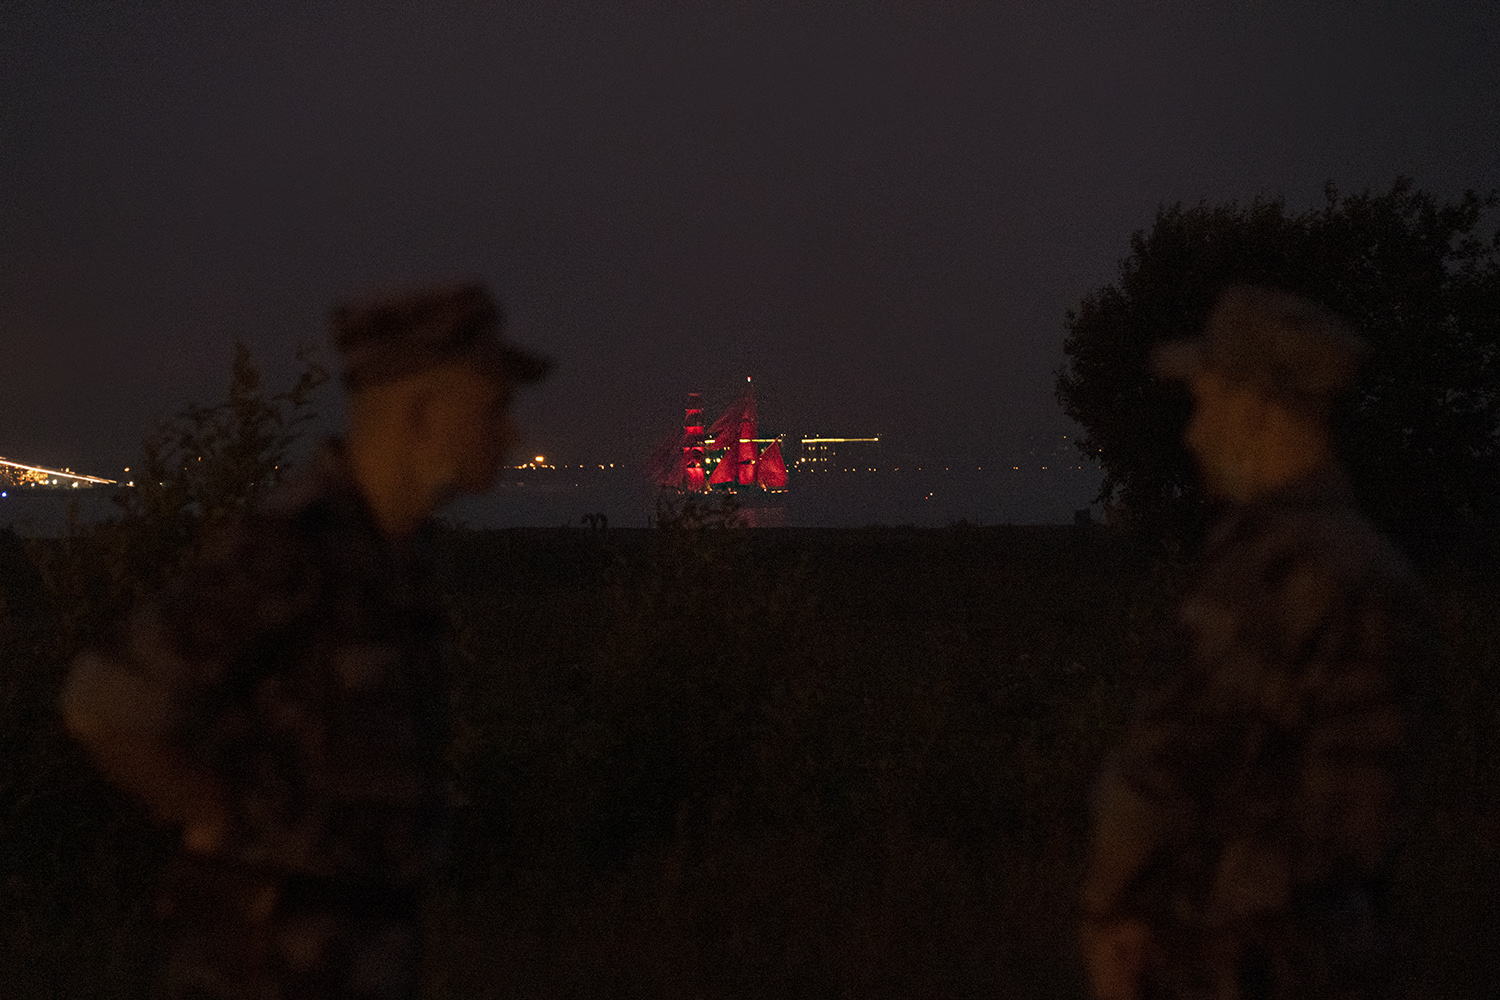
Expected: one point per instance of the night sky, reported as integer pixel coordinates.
(882, 215)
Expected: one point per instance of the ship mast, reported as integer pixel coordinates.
(745, 447)
(692, 444)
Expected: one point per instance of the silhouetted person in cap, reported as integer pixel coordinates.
(1244, 829)
(281, 703)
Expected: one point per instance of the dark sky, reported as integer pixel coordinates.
(881, 214)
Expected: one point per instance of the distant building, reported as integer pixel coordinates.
(838, 454)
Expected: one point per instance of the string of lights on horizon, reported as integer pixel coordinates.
(38, 477)
(16, 474)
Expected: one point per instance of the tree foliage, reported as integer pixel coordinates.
(209, 462)
(196, 469)
(1417, 278)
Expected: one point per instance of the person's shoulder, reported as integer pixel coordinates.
(1337, 575)
(1350, 550)
(1315, 527)
(1302, 569)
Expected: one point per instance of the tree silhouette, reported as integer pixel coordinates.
(196, 469)
(1421, 433)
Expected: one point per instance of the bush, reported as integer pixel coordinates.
(79, 859)
(196, 470)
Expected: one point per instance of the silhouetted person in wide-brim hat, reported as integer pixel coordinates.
(281, 702)
(1244, 829)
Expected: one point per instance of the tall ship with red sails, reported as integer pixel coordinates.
(725, 457)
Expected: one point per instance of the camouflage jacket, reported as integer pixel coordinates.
(1271, 768)
(298, 662)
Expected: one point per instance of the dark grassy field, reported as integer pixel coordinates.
(743, 763)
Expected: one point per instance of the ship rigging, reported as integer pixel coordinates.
(724, 457)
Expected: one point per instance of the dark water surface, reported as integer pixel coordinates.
(931, 497)
(927, 498)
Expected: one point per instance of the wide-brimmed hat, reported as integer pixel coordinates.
(395, 336)
(1281, 344)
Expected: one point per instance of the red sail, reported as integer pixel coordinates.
(677, 463)
(725, 432)
(770, 470)
(719, 430)
(724, 471)
(733, 434)
(745, 447)
(692, 444)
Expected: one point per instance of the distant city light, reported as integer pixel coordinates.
(37, 475)
(540, 459)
